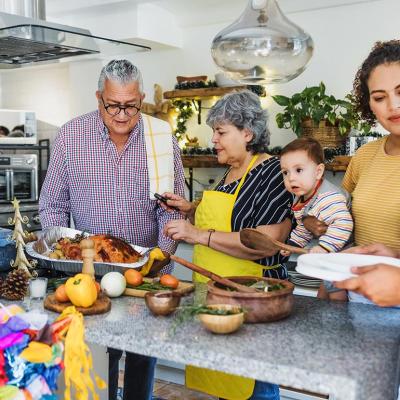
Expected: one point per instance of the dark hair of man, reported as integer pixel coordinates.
(309, 145)
(381, 53)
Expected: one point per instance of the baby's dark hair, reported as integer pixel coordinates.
(381, 53)
(309, 145)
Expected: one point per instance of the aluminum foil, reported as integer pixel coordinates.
(50, 236)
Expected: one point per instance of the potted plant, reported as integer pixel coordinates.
(314, 113)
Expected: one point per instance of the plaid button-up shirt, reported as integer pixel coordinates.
(105, 191)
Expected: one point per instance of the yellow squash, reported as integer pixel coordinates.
(155, 255)
(81, 290)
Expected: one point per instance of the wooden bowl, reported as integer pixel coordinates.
(223, 323)
(162, 302)
(260, 306)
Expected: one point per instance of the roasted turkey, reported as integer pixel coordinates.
(108, 249)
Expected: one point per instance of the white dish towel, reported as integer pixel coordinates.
(160, 155)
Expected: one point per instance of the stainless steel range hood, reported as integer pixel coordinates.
(25, 40)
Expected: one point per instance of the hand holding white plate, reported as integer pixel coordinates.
(337, 266)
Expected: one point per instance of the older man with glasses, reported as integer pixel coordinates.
(102, 173)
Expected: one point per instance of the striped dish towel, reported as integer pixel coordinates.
(160, 155)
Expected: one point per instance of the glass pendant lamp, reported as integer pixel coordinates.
(262, 46)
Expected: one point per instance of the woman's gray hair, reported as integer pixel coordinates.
(243, 110)
(121, 71)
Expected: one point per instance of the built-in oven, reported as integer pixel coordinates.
(30, 210)
(18, 177)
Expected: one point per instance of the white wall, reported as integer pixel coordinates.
(342, 35)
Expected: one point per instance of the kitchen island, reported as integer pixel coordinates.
(349, 351)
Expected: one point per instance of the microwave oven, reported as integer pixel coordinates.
(18, 177)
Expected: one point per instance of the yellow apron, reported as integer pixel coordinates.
(215, 212)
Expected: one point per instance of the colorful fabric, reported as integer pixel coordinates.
(78, 359)
(105, 191)
(37, 352)
(29, 369)
(372, 179)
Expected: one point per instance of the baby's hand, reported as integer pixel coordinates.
(317, 249)
(285, 253)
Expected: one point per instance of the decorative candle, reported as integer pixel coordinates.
(37, 288)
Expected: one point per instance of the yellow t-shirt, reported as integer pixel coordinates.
(373, 179)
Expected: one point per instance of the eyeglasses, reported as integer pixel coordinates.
(130, 110)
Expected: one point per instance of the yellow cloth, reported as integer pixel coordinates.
(37, 352)
(78, 360)
(215, 212)
(372, 179)
(160, 155)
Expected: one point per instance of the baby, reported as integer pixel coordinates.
(302, 165)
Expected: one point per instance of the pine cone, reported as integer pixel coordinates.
(15, 285)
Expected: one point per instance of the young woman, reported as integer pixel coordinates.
(372, 177)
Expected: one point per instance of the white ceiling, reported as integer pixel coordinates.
(191, 12)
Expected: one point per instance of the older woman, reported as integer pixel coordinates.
(250, 195)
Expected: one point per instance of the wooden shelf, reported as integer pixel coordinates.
(339, 164)
(201, 92)
(200, 161)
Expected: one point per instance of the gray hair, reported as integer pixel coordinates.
(243, 110)
(121, 71)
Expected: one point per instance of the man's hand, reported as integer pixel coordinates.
(376, 249)
(380, 283)
(315, 226)
(159, 265)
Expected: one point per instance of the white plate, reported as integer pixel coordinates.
(336, 266)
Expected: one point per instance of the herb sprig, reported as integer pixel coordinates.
(150, 286)
(187, 313)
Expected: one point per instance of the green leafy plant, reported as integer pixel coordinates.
(313, 104)
(185, 111)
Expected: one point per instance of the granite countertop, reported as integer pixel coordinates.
(350, 351)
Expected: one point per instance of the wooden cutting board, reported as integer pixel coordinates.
(183, 288)
(102, 305)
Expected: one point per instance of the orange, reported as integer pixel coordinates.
(170, 281)
(61, 294)
(133, 277)
(98, 288)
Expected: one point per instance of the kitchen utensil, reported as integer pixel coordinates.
(337, 266)
(182, 289)
(257, 240)
(88, 253)
(214, 277)
(223, 323)
(260, 306)
(162, 302)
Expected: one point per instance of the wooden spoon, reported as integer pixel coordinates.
(214, 277)
(257, 240)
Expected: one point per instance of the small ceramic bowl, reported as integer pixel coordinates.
(162, 302)
(223, 323)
